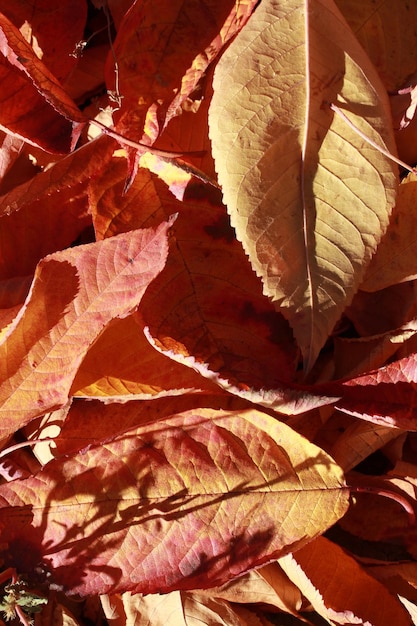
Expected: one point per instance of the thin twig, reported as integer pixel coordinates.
(372, 143)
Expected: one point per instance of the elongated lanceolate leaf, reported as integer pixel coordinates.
(339, 589)
(309, 197)
(187, 502)
(75, 293)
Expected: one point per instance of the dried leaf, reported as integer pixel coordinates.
(180, 608)
(292, 172)
(53, 30)
(48, 212)
(339, 590)
(386, 32)
(395, 259)
(268, 585)
(186, 503)
(75, 293)
(122, 362)
(45, 116)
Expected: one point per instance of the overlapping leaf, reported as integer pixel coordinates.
(207, 303)
(52, 30)
(395, 259)
(48, 212)
(75, 293)
(293, 172)
(195, 30)
(395, 56)
(34, 106)
(188, 502)
(339, 590)
(122, 362)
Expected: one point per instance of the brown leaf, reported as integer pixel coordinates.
(174, 53)
(189, 502)
(75, 293)
(268, 586)
(95, 421)
(395, 259)
(207, 303)
(181, 608)
(292, 172)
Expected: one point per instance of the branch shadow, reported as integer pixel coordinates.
(122, 536)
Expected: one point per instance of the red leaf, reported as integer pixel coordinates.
(53, 29)
(34, 106)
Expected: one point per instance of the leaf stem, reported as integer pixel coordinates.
(136, 144)
(18, 446)
(392, 495)
(372, 143)
(164, 154)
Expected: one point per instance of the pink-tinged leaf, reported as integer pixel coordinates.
(189, 502)
(288, 399)
(34, 106)
(91, 422)
(385, 509)
(75, 293)
(9, 153)
(385, 396)
(339, 589)
(207, 305)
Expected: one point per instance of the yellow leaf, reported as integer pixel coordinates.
(308, 196)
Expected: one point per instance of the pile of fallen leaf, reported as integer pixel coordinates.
(208, 312)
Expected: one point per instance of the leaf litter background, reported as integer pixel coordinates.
(218, 332)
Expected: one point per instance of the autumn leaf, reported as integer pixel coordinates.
(395, 56)
(207, 303)
(187, 502)
(268, 585)
(45, 116)
(75, 293)
(196, 31)
(385, 396)
(309, 198)
(394, 261)
(53, 31)
(49, 212)
(339, 590)
(182, 608)
(111, 367)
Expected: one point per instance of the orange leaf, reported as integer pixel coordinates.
(122, 362)
(75, 293)
(339, 590)
(188, 502)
